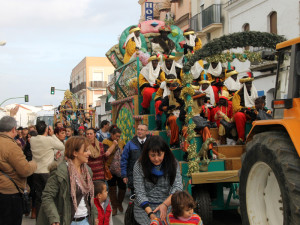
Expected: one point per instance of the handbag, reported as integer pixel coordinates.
(107, 173)
(26, 201)
(129, 214)
(115, 166)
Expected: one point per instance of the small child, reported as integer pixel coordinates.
(183, 206)
(102, 203)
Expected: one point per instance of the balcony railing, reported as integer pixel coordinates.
(79, 87)
(210, 15)
(195, 22)
(98, 84)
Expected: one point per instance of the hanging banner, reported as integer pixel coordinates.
(148, 10)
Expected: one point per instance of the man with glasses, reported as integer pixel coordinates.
(131, 153)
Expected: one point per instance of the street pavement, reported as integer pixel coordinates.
(229, 217)
(117, 220)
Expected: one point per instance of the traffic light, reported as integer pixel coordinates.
(52, 90)
(26, 97)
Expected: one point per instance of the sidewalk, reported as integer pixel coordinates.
(118, 219)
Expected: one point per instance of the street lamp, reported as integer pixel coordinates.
(2, 43)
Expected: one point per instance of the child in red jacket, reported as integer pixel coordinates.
(102, 203)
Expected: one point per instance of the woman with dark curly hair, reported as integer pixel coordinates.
(156, 176)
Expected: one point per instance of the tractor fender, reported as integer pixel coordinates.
(288, 125)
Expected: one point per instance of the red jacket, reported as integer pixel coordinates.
(103, 214)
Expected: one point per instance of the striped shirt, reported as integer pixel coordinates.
(194, 220)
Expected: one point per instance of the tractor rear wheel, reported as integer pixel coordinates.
(270, 181)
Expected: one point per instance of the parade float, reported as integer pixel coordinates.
(213, 183)
(73, 114)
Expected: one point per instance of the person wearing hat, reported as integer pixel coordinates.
(231, 84)
(192, 42)
(170, 66)
(243, 102)
(150, 79)
(81, 131)
(223, 110)
(163, 91)
(162, 44)
(172, 105)
(201, 113)
(206, 88)
(215, 76)
(132, 43)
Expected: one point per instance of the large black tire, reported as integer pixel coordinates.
(270, 158)
(203, 204)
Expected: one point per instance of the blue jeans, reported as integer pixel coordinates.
(83, 222)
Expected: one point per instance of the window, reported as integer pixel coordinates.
(98, 76)
(273, 22)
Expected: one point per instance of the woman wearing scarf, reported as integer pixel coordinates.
(156, 176)
(69, 192)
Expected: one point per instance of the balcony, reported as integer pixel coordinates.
(195, 22)
(208, 20)
(79, 87)
(98, 84)
(164, 5)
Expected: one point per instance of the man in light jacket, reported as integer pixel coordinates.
(42, 147)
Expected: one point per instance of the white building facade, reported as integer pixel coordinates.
(274, 16)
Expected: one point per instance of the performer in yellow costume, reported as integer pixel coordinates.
(193, 43)
(231, 84)
(133, 43)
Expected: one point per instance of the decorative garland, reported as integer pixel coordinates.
(235, 40)
(186, 94)
(229, 57)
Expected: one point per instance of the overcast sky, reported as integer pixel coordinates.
(46, 39)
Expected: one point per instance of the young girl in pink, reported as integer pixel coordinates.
(183, 206)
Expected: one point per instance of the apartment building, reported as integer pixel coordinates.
(89, 80)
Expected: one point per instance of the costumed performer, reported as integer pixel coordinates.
(133, 43)
(243, 103)
(172, 105)
(162, 92)
(162, 44)
(231, 84)
(150, 79)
